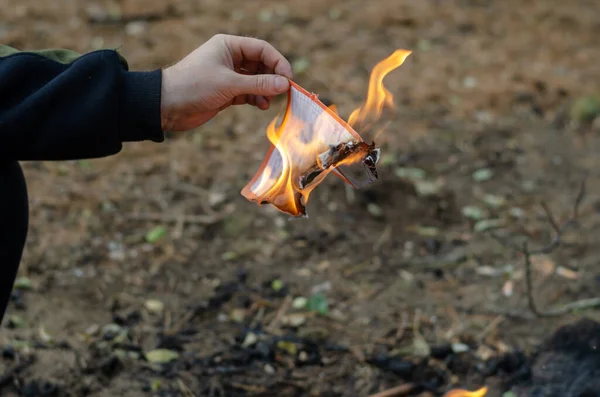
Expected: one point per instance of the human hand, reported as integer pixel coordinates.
(224, 71)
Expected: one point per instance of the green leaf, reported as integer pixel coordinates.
(299, 302)
(21, 344)
(472, 212)
(300, 65)
(487, 224)
(427, 188)
(318, 303)
(426, 231)
(374, 210)
(85, 164)
(494, 201)
(265, 15)
(155, 234)
(516, 212)
(155, 386)
(289, 347)
(229, 255)
(277, 285)
(585, 109)
(23, 283)
(15, 321)
(483, 174)
(161, 356)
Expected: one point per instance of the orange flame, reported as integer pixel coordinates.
(378, 96)
(300, 149)
(465, 393)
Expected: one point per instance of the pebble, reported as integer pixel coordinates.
(110, 331)
(250, 339)
(154, 306)
(135, 28)
(8, 352)
(294, 320)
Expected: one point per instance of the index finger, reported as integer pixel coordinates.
(256, 50)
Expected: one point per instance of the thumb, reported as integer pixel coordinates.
(262, 84)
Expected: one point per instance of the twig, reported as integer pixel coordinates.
(280, 313)
(401, 327)
(383, 238)
(550, 217)
(249, 388)
(358, 354)
(490, 327)
(401, 390)
(549, 248)
(572, 306)
(185, 390)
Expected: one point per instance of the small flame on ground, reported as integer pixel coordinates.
(465, 393)
(285, 193)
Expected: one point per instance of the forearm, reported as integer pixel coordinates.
(58, 105)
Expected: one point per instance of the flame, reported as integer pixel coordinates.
(284, 193)
(465, 393)
(378, 96)
(296, 152)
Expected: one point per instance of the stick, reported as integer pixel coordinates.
(401, 390)
(527, 253)
(185, 390)
(490, 327)
(572, 306)
(280, 313)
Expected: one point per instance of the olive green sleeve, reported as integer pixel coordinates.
(60, 55)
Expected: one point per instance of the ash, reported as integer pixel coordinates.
(567, 364)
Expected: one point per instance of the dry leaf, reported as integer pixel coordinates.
(508, 288)
(543, 264)
(567, 273)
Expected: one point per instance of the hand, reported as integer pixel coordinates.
(224, 71)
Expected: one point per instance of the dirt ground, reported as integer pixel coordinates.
(155, 248)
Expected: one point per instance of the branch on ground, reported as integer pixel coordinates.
(527, 253)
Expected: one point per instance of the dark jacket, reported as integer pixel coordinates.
(61, 105)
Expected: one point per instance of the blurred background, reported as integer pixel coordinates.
(147, 273)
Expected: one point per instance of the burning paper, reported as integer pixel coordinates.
(313, 140)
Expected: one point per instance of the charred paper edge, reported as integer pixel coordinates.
(251, 196)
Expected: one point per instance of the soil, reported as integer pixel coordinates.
(405, 281)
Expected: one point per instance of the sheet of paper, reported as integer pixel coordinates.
(309, 129)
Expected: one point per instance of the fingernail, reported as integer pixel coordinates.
(281, 84)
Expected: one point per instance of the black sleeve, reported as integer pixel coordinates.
(52, 109)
